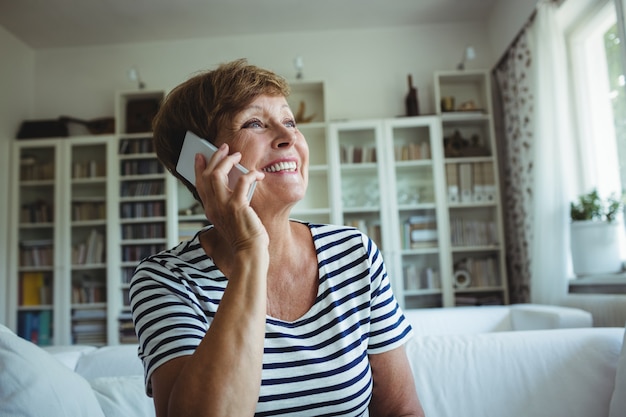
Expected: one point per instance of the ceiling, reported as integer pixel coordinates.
(45, 24)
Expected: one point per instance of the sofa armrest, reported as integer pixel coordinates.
(542, 317)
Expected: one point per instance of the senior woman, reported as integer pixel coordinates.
(259, 314)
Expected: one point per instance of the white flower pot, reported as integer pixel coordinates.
(595, 247)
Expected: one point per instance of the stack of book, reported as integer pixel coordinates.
(91, 251)
(89, 326)
(420, 232)
(470, 182)
(35, 289)
(412, 151)
(35, 326)
(351, 154)
(127, 328)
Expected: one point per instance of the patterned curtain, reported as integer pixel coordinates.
(514, 109)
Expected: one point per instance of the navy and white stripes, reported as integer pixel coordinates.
(316, 365)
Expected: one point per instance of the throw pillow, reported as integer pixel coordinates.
(35, 384)
(123, 396)
(618, 401)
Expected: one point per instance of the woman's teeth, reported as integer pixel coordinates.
(281, 166)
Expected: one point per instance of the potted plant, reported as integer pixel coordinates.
(595, 234)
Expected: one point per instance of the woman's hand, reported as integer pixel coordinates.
(229, 209)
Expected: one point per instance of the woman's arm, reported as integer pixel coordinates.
(223, 376)
(394, 392)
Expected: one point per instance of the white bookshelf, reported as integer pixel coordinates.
(389, 177)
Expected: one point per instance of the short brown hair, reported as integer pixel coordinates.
(205, 102)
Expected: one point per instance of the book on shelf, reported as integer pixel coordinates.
(416, 278)
(412, 151)
(88, 208)
(472, 232)
(93, 326)
(88, 169)
(420, 232)
(89, 326)
(34, 169)
(466, 182)
(36, 252)
(489, 182)
(89, 314)
(91, 251)
(477, 300)
(92, 339)
(36, 326)
(136, 188)
(126, 328)
(478, 190)
(351, 154)
(470, 182)
(452, 183)
(38, 211)
(88, 290)
(136, 146)
(35, 289)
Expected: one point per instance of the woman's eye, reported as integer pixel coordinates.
(253, 124)
(290, 123)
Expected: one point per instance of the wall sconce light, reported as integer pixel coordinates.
(298, 64)
(133, 75)
(468, 55)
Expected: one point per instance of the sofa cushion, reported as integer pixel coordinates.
(121, 360)
(542, 373)
(618, 401)
(542, 317)
(123, 396)
(69, 355)
(35, 384)
(459, 320)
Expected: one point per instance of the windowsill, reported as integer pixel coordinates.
(599, 284)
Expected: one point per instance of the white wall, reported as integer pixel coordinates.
(506, 20)
(17, 72)
(365, 71)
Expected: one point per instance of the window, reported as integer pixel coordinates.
(599, 90)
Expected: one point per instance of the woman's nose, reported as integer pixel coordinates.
(284, 136)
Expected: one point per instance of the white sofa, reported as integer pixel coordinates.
(469, 320)
(476, 370)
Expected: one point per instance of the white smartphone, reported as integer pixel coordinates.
(194, 144)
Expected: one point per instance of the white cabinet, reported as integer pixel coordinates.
(145, 202)
(85, 233)
(472, 187)
(389, 186)
(85, 210)
(426, 190)
(58, 270)
(359, 190)
(420, 262)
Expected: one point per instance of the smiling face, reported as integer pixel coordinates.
(265, 133)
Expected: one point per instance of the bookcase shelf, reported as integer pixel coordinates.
(387, 177)
(474, 207)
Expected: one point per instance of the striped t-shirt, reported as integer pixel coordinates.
(316, 365)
